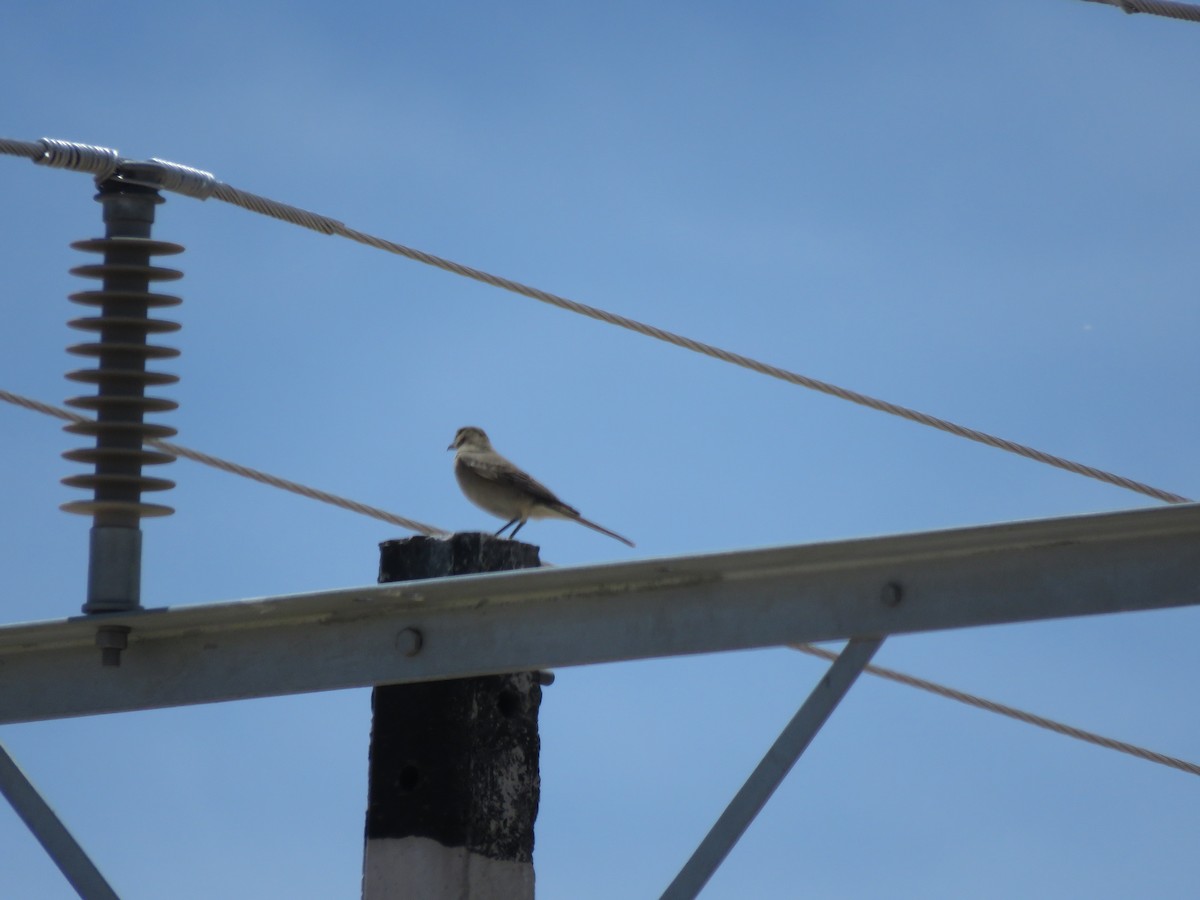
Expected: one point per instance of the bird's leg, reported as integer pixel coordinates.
(515, 530)
(506, 524)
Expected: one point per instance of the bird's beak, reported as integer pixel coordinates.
(451, 447)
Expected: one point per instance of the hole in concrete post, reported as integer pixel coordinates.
(509, 703)
(409, 776)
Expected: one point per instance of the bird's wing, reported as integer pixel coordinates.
(501, 471)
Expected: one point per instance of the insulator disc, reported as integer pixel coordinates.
(116, 429)
(134, 323)
(135, 298)
(115, 402)
(141, 482)
(114, 376)
(135, 245)
(127, 270)
(119, 456)
(97, 507)
(146, 351)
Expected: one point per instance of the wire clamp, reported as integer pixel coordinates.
(99, 161)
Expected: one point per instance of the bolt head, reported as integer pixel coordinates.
(409, 641)
(892, 594)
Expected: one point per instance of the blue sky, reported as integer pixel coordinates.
(984, 211)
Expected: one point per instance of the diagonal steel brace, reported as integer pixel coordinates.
(51, 833)
(769, 774)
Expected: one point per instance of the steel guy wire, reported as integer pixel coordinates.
(200, 184)
(376, 513)
(245, 471)
(1186, 11)
(1028, 718)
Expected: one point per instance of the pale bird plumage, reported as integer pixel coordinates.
(497, 486)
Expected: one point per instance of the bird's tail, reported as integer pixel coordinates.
(600, 528)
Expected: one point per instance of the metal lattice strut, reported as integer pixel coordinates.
(769, 774)
(50, 832)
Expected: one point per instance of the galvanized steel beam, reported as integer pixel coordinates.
(538, 619)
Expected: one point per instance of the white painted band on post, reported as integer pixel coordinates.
(422, 869)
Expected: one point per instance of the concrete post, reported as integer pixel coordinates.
(453, 780)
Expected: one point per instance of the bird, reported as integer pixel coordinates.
(497, 486)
